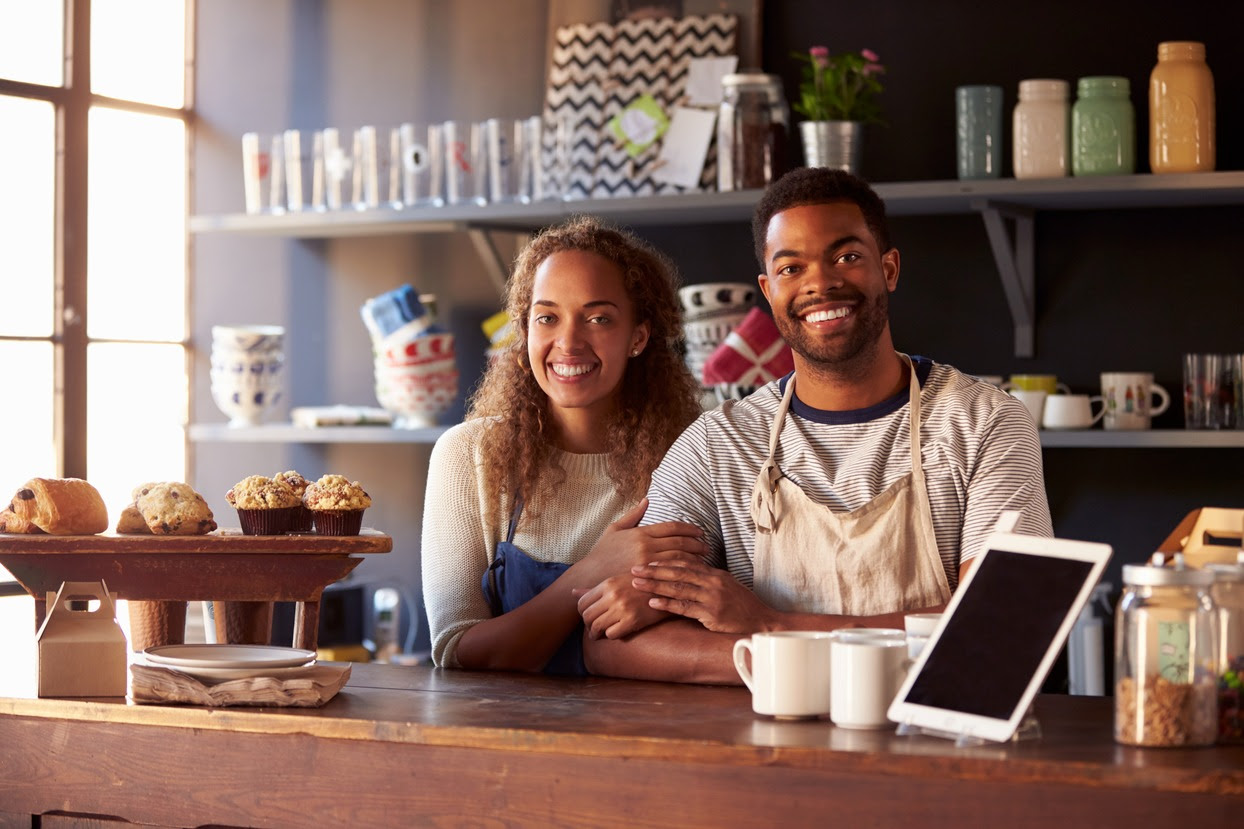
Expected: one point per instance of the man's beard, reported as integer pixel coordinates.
(870, 320)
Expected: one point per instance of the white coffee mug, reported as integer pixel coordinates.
(919, 627)
(1129, 397)
(789, 672)
(1033, 400)
(1070, 411)
(867, 667)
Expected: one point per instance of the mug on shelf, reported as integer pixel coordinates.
(1047, 383)
(1071, 411)
(1128, 399)
(1033, 400)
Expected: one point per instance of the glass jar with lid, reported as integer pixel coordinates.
(1228, 594)
(1041, 129)
(1166, 656)
(751, 131)
(1181, 110)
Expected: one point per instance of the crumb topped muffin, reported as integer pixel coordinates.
(265, 506)
(301, 521)
(337, 504)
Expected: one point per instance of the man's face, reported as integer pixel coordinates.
(828, 282)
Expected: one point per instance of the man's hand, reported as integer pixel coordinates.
(707, 594)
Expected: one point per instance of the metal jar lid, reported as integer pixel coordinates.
(750, 79)
(1155, 574)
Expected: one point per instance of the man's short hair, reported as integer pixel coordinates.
(818, 185)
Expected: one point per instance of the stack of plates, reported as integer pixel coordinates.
(230, 661)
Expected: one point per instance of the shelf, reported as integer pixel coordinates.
(1006, 206)
(288, 433)
(1143, 439)
(1050, 439)
(920, 198)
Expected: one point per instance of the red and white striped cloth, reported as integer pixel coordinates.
(752, 354)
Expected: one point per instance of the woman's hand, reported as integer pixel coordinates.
(625, 544)
(698, 591)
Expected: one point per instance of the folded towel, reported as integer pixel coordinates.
(752, 354)
(307, 688)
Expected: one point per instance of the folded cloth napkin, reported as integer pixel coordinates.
(753, 354)
(307, 688)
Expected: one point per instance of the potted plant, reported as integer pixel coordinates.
(837, 96)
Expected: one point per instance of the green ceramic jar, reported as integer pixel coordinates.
(1103, 128)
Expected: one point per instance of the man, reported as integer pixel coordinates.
(855, 490)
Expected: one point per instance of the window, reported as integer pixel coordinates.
(93, 322)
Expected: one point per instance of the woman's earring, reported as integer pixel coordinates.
(635, 353)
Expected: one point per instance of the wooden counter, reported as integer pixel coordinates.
(422, 746)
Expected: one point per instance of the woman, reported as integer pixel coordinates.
(538, 493)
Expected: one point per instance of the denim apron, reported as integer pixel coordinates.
(514, 578)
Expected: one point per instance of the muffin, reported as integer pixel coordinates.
(301, 521)
(265, 506)
(337, 504)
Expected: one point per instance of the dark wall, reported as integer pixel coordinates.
(1124, 290)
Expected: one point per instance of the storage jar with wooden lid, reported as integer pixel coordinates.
(1040, 127)
(1181, 110)
(1166, 656)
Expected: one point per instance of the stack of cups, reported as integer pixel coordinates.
(246, 373)
(1214, 391)
(710, 312)
(415, 371)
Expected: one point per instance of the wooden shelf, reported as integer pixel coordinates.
(1143, 439)
(288, 433)
(920, 198)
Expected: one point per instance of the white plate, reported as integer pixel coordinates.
(247, 657)
(236, 673)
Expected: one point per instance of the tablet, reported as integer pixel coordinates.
(1001, 632)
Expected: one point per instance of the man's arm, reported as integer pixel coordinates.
(677, 650)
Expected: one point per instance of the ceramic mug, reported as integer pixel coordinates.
(1047, 383)
(1129, 398)
(789, 672)
(867, 667)
(919, 627)
(1033, 400)
(1071, 411)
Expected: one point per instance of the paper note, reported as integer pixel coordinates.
(685, 147)
(704, 79)
(640, 124)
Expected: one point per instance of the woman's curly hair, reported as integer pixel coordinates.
(659, 397)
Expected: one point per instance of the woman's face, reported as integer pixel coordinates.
(581, 332)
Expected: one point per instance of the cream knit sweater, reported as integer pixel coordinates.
(458, 543)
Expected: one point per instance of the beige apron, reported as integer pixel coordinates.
(880, 558)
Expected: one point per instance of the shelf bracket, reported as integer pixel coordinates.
(1015, 262)
(497, 267)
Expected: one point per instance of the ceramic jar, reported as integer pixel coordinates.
(1041, 131)
(1103, 128)
(1181, 110)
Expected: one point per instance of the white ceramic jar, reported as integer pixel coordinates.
(1041, 127)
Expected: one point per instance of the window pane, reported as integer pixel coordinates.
(27, 215)
(138, 50)
(32, 454)
(32, 41)
(144, 438)
(136, 218)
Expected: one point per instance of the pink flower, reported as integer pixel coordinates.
(873, 69)
(820, 56)
(870, 56)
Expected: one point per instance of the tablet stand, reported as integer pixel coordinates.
(1029, 729)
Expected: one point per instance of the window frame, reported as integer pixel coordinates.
(73, 102)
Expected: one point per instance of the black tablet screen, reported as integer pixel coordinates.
(999, 633)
